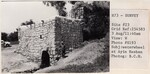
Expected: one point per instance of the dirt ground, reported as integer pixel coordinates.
(13, 62)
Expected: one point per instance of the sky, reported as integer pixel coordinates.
(14, 13)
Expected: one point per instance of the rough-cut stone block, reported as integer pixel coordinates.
(34, 41)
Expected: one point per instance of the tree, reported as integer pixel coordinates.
(4, 36)
(13, 36)
(96, 16)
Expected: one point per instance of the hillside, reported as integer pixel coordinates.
(93, 57)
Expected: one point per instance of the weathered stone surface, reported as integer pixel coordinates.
(50, 34)
(69, 31)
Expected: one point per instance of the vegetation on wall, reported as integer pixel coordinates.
(96, 16)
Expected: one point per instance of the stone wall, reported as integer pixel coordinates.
(69, 31)
(33, 41)
(77, 13)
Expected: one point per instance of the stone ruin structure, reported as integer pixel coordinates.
(33, 41)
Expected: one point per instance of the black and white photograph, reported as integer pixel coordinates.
(55, 36)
